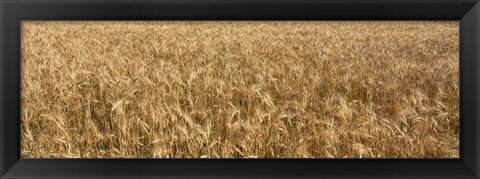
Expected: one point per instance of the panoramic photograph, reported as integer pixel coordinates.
(240, 89)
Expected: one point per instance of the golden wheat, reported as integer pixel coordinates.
(240, 89)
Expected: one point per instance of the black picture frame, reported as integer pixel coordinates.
(12, 12)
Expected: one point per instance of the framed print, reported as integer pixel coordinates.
(247, 89)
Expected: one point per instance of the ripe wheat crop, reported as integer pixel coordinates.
(240, 89)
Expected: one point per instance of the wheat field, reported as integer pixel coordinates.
(206, 89)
